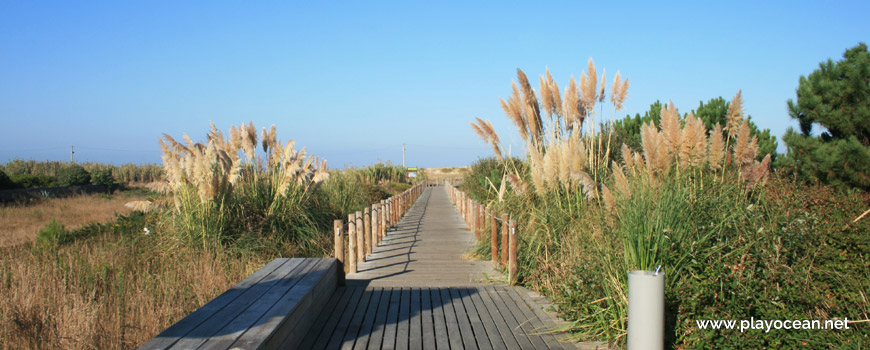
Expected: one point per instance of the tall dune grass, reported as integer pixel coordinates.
(224, 187)
(692, 200)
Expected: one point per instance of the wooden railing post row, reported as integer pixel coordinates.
(513, 264)
(339, 248)
(494, 237)
(360, 238)
(351, 243)
(504, 239)
(367, 225)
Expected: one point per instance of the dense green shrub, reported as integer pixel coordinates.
(32, 181)
(52, 235)
(74, 175)
(5, 182)
(102, 177)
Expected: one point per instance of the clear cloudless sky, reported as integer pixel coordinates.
(354, 80)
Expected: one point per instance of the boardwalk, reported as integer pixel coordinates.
(425, 250)
(416, 291)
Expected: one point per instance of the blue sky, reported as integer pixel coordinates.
(352, 81)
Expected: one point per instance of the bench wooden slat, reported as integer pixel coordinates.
(206, 329)
(273, 307)
(180, 329)
(252, 316)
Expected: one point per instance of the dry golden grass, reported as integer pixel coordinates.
(446, 172)
(107, 292)
(20, 223)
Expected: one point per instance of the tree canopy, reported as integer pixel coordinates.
(836, 99)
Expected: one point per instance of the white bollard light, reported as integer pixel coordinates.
(646, 310)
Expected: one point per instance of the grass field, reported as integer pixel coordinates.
(20, 223)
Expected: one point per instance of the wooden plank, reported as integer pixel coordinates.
(249, 319)
(352, 332)
(467, 332)
(451, 324)
(319, 326)
(404, 327)
(516, 320)
(181, 328)
(415, 337)
(505, 328)
(380, 322)
(205, 330)
(484, 330)
(535, 318)
(389, 341)
(341, 327)
(428, 322)
(368, 321)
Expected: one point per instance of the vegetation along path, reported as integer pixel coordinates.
(417, 291)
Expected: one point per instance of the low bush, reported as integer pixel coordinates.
(73, 175)
(5, 182)
(102, 177)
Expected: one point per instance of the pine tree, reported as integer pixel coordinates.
(835, 97)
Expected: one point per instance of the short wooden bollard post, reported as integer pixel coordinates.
(494, 238)
(474, 222)
(462, 204)
(360, 238)
(339, 248)
(383, 225)
(395, 217)
(376, 230)
(470, 211)
(504, 239)
(513, 264)
(481, 218)
(351, 243)
(367, 224)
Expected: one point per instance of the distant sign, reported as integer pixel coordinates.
(412, 172)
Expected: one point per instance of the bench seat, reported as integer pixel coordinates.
(272, 308)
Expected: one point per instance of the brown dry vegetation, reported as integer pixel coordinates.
(20, 223)
(446, 172)
(108, 291)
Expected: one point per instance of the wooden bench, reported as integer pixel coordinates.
(272, 308)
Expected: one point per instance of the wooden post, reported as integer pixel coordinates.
(351, 243)
(360, 238)
(477, 223)
(468, 212)
(494, 238)
(383, 225)
(504, 239)
(339, 248)
(376, 228)
(367, 224)
(481, 219)
(513, 264)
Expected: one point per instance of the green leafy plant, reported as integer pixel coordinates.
(102, 177)
(52, 235)
(73, 175)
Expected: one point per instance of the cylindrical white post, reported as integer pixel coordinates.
(646, 310)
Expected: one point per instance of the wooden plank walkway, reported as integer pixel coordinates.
(424, 250)
(416, 291)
